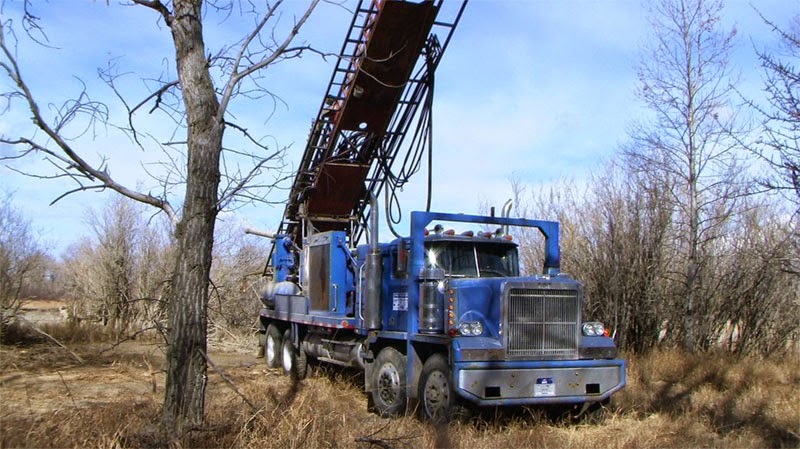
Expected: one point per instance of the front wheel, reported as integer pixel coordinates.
(438, 401)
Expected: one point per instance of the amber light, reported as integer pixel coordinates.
(451, 315)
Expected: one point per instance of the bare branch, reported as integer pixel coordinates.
(237, 76)
(159, 7)
(70, 158)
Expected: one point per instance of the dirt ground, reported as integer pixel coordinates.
(46, 379)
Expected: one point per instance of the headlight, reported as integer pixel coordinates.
(477, 328)
(470, 328)
(593, 329)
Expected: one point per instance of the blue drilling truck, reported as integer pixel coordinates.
(441, 319)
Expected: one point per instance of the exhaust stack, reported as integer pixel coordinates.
(373, 272)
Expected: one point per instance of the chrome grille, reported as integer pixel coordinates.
(542, 323)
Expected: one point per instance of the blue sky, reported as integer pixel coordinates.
(538, 90)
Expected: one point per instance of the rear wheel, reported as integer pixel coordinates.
(272, 346)
(294, 360)
(389, 383)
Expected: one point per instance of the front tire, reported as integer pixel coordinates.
(294, 360)
(389, 383)
(438, 400)
(272, 346)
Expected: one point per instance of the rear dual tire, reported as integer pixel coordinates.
(273, 342)
(293, 360)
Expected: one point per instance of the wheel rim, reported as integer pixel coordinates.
(436, 398)
(389, 384)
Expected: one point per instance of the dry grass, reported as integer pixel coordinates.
(673, 400)
(739, 402)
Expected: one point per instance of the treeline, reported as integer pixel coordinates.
(623, 242)
(118, 275)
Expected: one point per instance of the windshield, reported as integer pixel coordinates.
(471, 259)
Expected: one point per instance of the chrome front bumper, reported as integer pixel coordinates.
(544, 385)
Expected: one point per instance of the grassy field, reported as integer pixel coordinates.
(90, 394)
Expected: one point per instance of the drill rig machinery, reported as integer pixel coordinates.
(434, 318)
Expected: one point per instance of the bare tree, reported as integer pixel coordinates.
(614, 240)
(206, 86)
(155, 251)
(115, 232)
(758, 295)
(20, 258)
(779, 143)
(118, 275)
(80, 283)
(236, 276)
(624, 254)
(686, 83)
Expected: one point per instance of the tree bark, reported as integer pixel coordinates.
(184, 400)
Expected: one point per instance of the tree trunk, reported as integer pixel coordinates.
(184, 398)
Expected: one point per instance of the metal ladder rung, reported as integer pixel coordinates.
(444, 24)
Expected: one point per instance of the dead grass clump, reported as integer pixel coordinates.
(70, 427)
(321, 411)
(23, 333)
(77, 333)
(738, 400)
(17, 333)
